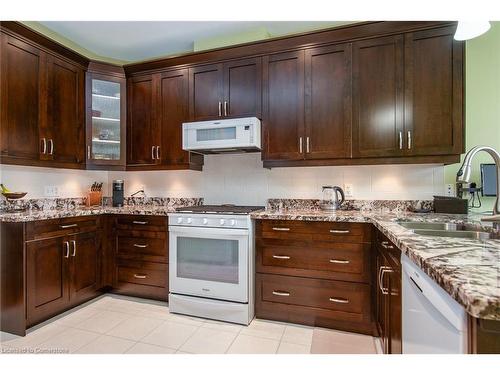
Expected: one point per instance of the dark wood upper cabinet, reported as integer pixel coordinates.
(22, 75)
(378, 69)
(328, 102)
(65, 124)
(106, 117)
(242, 88)
(85, 265)
(142, 128)
(47, 278)
(433, 93)
(283, 104)
(173, 112)
(205, 97)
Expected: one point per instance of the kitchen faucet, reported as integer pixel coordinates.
(139, 192)
(463, 177)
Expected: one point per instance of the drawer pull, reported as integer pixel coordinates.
(281, 257)
(140, 245)
(339, 300)
(68, 226)
(140, 222)
(339, 231)
(139, 276)
(280, 293)
(281, 229)
(339, 261)
(386, 245)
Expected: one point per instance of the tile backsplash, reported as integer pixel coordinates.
(240, 179)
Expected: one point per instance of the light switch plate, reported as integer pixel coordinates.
(51, 191)
(348, 190)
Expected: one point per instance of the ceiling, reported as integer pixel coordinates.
(128, 41)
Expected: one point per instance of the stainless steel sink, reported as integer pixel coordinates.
(431, 226)
(482, 236)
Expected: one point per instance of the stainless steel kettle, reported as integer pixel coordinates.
(331, 201)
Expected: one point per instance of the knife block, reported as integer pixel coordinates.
(94, 198)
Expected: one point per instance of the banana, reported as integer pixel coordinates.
(4, 189)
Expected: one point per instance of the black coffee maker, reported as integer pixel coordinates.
(118, 191)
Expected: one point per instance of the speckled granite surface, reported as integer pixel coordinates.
(71, 207)
(469, 270)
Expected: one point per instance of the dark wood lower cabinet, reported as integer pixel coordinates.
(315, 273)
(140, 253)
(387, 283)
(45, 272)
(47, 278)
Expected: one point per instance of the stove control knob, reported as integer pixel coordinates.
(232, 222)
(189, 220)
(205, 221)
(222, 221)
(179, 220)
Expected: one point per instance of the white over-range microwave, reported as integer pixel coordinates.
(222, 136)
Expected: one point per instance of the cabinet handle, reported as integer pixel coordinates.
(280, 293)
(400, 140)
(139, 276)
(158, 152)
(307, 144)
(68, 226)
(51, 146)
(339, 231)
(88, 152)
(140, 222)
(66, 243)
(281, 257)
(225, 108)
(140, 245)
(220, 109)
(386, 245)
(409, 140)
(339, 261)
(44, 146)
(153, 152)
(281, 229)
(382, 272)
(74, 248)
(300, 145)
(338, 300)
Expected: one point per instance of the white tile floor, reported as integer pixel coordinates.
(116, 324)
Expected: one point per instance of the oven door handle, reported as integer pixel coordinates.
(207, 232)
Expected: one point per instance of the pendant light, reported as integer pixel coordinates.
(469, 30)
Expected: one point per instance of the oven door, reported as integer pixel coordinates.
(209, 262)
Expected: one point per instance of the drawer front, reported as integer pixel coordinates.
(337, 261)
(389, 248)
(142, 273)
(61, 227)
(329, 295)
(141, 223)
(314, 230)
(142, 248)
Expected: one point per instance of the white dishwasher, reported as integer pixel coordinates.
(433, 322)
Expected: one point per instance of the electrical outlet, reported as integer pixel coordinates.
(450, 190)
(51, 191)
(348, 190)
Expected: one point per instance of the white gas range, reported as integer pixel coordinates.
(212, 256)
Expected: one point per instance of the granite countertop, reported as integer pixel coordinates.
(33, 215)
(469, 270)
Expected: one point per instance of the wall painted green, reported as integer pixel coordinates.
(482, 101)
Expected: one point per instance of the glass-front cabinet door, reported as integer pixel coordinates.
(105, 121)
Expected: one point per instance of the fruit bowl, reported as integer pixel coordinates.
(14, 195)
